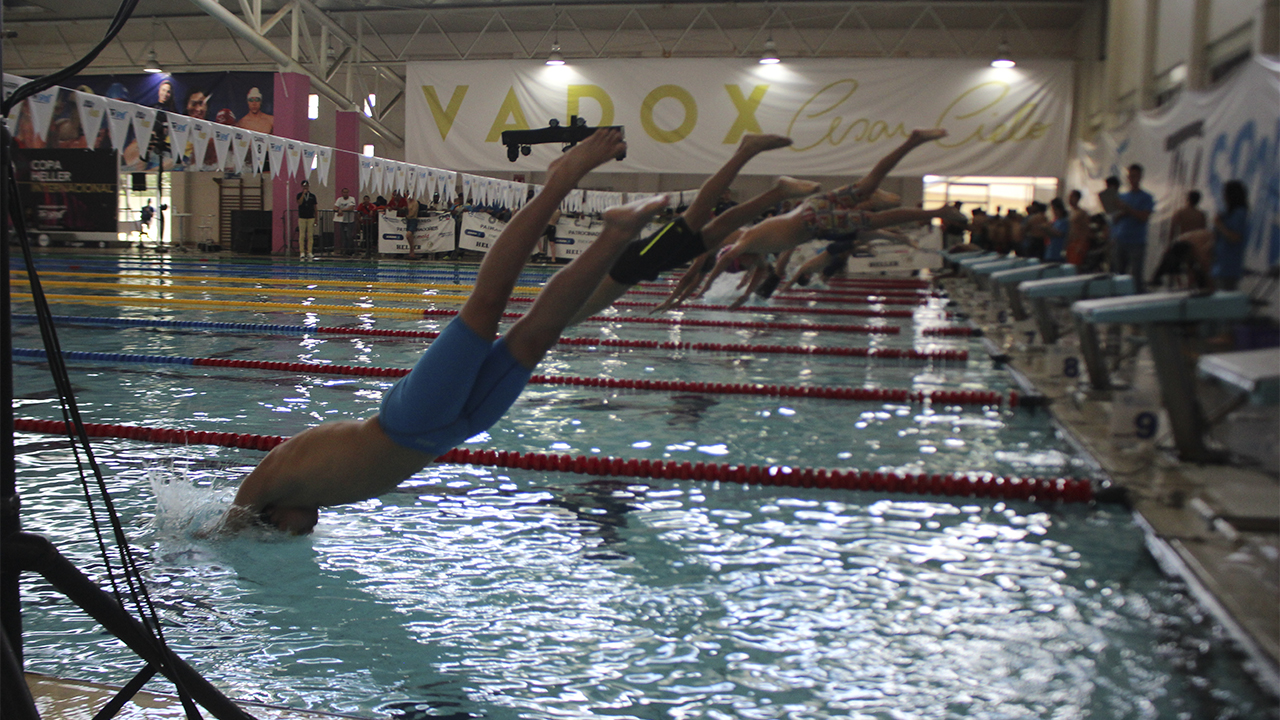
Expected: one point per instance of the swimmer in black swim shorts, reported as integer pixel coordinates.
(694, 231)
(465, 380)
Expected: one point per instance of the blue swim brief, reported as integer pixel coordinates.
(460, 387)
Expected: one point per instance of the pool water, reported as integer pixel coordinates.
(501, 593)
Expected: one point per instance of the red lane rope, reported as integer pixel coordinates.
(783, 309)
(951, 484)
(869, 329)
(948, 397)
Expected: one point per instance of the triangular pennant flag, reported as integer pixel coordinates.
(179, 129)
(240, 142)
(366, 170)
(222, 143)
(144, 123)
(466, 188)
(40, 106)
(400, 181)
(424, 187)
(201, 131)
(389, 176)
(15, 117)
(292, 156)
(275, 151)
(375, 176)
(324, 158)
(432, 186)
(118, 114)
(308, 159)
(258, 143)
(93, 110)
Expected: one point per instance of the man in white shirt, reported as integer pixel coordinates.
(344, 221)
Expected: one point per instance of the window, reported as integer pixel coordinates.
(988, 193)
(313, 106)
(370, 103)
(368, 151)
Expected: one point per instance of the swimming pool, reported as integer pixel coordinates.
(485, 592)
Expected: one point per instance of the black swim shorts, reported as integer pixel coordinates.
(672, 246)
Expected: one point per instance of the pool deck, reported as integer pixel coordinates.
(1216, 526)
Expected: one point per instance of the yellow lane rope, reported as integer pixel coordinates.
(263, 280)
(223, 305)
(214, 289)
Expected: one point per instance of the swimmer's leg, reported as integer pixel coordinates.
(867, 186)
(784, 188)
(506, 259)
(898, 216)
(563, 296)
(699, 211)
(813, 265)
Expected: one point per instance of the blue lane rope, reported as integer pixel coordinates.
(190, 324)
(107, 357)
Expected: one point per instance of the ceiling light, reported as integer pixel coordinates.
(1003, 59)
(770, 55)
(152, 65)
(555, 58)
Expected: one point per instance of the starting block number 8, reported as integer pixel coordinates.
(1071, 366)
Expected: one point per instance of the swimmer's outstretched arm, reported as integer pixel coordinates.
(687, 284)
(752, 280)
(813, 264)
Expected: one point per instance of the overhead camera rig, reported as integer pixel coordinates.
(520, 142)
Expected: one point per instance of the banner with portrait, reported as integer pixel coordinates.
(234, 100)
(687, 116)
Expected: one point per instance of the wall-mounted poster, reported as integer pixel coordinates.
(236, 100)
(69, 191)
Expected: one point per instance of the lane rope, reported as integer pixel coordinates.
(739, 348)
(982, 485)
(983, 398)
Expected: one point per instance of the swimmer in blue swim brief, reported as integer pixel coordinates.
(465, 380)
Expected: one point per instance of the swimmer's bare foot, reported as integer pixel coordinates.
(952, 215)
(920, 136)
(880, 200)
(757, 143)
(631, 218)
(602, 146)
(791, 187)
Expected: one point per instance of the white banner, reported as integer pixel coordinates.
(179, 129)
(144, 123)
(575, 235)
(1203, 140)
(93, 110)
(258, 147)
(201, 131)
(222, 143)
(240, 140)
(844, 115)
(479, 230)
(118, 114)
(434, 234)
(41, 107)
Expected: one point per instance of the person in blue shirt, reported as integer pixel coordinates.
(1129, 231)
(1230, 228)
(1057, 234)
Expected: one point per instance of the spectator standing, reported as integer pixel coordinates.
(306, 221)
(1230, 228)
(1129, 231)
(1057, 234)
(368, 213)
(344, 219)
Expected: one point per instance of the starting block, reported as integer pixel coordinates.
(980, 272)
(1256, 373)
(1163, 315)
(1079, 287)
(1008, 280)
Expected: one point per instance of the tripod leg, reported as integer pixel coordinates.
(15, 699)
(32, 553)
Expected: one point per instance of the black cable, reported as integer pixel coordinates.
(117, 24)
(137, 589)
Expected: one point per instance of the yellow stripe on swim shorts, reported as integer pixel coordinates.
(657, 237)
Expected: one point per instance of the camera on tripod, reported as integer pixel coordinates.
(520, 142)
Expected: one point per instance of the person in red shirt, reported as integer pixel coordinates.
(368, 214)
(397, 204)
